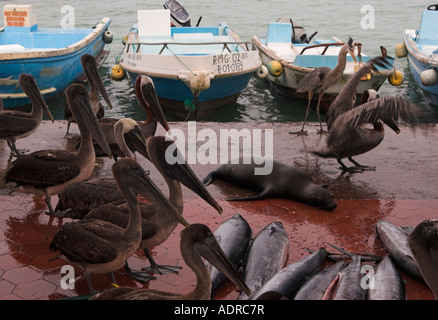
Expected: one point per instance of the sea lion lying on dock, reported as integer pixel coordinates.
(284, 181)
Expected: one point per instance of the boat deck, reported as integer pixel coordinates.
(402, 190)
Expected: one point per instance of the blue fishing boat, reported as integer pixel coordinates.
(421, 48)
(196, 70)
(289, 54)
(51, 56)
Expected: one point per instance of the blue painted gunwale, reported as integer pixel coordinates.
(54, 70)
(419, 58)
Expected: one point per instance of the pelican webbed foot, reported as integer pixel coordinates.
(362, 167)
(138, 275)
(299, 133)
(160, 269)
(322, 131)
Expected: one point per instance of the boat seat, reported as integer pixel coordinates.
(428, 27)
(7, 48)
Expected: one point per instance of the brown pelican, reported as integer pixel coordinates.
(101, 247)
(320, 79)
(348, 134)
(77, 199)
(424, 244)
(17, 124)
(158, 226)
(91, 71)
(48, 172)
(197, 241)
(145, 91)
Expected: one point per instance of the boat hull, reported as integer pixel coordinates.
(286, 84)
(53, 70)
(174, 95)
(419, 62)
(193, 77)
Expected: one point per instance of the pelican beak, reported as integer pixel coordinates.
(180, 170)
(80, 106)
(353, 55)
(149, 95)
(390, 123)
(135, 141)
(144, 186)
(30, 88)
(91, 69)
(211, 250)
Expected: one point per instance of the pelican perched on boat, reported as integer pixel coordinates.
(92, 74)
(424, 244)
(77, 199)
(16, 125)
(321, 79)
(102, 247)
(158, 226)
(49, 172)
(197, 241)
(349, 136)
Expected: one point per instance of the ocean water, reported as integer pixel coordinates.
(251, 17)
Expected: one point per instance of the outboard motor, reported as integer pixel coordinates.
(299, 34)
(179, 16)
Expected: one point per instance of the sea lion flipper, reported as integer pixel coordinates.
(263, 195)
(209, 178)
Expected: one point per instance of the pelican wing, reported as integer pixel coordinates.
(43, 168)
(313, 80)
(14, 124)
(345, 99)
(386, 109)
(86, 241)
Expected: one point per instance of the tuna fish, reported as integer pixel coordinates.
(317, 285)
(347, 285)
(387, 283)
(289, 279)
(395, 240)
(234, 236)
(267, 254)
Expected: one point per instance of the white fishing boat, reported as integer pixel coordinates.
(289, 55)
(196, 70)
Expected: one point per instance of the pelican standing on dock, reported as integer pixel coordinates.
(49, 172)
(320, 79)
(197, 241)
(424, 244)
(77, 199)
(80, 198)
(349, 136)
(147, 96)
(92, 74)
(102, 247)
(16, 125)
(158, 226)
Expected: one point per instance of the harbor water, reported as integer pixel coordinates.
(371, 23)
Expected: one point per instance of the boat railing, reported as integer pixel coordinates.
(327, 45)
(246, 45)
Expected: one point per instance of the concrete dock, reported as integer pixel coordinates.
(403, 190)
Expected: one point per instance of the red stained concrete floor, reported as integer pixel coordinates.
(402, 190)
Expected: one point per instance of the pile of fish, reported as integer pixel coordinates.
(320, 275)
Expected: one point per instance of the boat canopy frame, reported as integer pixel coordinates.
(327, 45)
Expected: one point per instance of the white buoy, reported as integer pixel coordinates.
(262, 72)
(108, 37)
(429, 77)
(401, 51)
